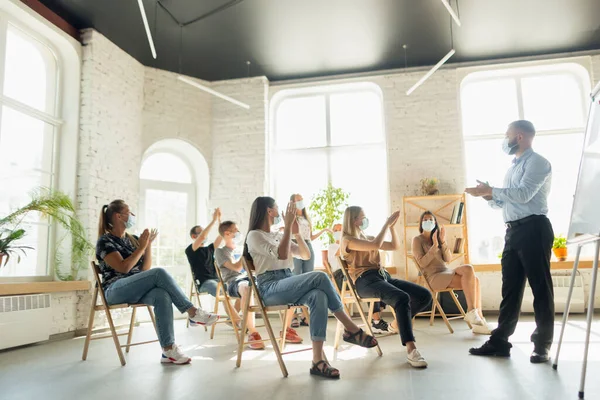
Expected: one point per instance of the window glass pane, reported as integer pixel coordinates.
(300, 122)
(165, 167)
(366, 181)
(488, 106)
(34, 262)
(356, 118)
(27, 73)
(553, 101)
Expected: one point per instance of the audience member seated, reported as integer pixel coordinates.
(378, 324)
(432, 254)
(201, 256)
(125, 262)
(272, 255)
(235, 279)
(361, 252)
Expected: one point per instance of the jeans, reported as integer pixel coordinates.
(209, 286)
(407, 298)
(314, 289)
(154, 287)
(304, 266)
(526, 255)
(338, 275)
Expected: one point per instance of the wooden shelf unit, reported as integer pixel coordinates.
(442, 207)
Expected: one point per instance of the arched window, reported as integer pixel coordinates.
(331, 135)
(554, 98)
(173, 198)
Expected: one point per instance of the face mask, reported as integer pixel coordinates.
(130, 222)
(337, 236)
(277, 220)
(365, 224)
(300, 205)
(237, 237)
(508, 148)
(428, 225)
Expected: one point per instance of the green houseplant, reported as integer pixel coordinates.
(50, 204)
(559, 247)
(429, 186)
(327, 207)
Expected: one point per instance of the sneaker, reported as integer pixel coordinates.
(415, 359)
(482, 329)
(258, 345)
(489, 349)
(295, 323)
(473, 318)
(174, 356)
(380, 327)
(204, 318)
(291, 336)
(540, 354)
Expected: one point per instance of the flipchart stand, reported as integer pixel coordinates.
(588, 239)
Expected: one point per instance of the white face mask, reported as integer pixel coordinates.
(428, 225)
(300, 205)
(337, 236)
(237, 237)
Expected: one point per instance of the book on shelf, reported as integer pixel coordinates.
(454, 213)
(459, 213)
(457, 246)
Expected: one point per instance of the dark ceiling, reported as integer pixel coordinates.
(286, 39)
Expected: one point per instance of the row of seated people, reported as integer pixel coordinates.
(125, 262)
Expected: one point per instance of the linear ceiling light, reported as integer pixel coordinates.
(430, 72)
(451, 11)
(145, 19)
(213, 92)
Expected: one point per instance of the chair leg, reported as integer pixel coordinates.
(286, 321)
(216, 311)
(88, 336)
(368, 326)
(460, 308)
(338, 335)
(130, 334)
(433, 307)
(191, 296)
(230, 310)
(200, 306)
(371, 310)
(113, 331)
(305, 313)
(274, 343)
(242, 341)
(443, 314)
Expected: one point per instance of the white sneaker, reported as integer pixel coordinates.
(204, 318)
(482, 329)
(473, 318)
(415, 359)
(174, 356)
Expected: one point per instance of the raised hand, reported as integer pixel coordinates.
(216, 214)
(391, 221)
(144, 239)
(153, 234)
(290, 214)
(435, 240)
(442, 233)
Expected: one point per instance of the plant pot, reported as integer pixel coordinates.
(560, 253)
(432, 192)
(324, 255)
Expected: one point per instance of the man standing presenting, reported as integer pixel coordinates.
(528, 243)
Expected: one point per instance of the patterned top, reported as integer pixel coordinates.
(304, 228)
(107, 244)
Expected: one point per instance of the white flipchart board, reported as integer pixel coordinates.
(585, 216)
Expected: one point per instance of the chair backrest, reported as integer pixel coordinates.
(347, 279)
(250, 269)
(218, 271)
(98, 277)
(422, 274)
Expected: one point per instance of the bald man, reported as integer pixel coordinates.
(528, 243)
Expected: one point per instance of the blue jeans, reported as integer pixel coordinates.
(313, 289)
(209, 286)
(154, 287)
(304, 266)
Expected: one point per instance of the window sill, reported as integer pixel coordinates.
(555, 265)
(11, 289)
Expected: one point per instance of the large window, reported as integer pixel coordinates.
(331, 135)
(554, 98)
(28, 137)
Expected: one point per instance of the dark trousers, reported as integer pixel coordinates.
(338, 275)
(407, 298)
(526, 254)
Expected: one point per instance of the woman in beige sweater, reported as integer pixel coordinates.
(432, 254)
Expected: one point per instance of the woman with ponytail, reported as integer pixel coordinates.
(272, 254)
(125, 262)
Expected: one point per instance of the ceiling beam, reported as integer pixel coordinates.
(53, 18)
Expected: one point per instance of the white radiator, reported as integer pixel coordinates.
(24, 319)
(561, 282)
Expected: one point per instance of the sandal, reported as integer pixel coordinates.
(303, 322)
(360, 338)
(326, 372)
(295, 323)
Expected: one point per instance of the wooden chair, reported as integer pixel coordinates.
(223, 297)
(103, 306)
(350, 296)
(278, 343)
(436, 305)
(329, 271)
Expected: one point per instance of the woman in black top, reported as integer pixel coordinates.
(125, 262)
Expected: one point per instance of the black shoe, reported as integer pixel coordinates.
(380, 327)
(540, 354)
(489, 349)
(303, 322)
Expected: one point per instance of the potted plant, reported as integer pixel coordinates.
(560, 247)
(327, 208)
(429, 186)
(57, 206)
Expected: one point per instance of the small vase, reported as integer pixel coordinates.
(560, 253)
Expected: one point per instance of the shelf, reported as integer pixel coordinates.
(11, 289)
(435, 197)
(444, 225)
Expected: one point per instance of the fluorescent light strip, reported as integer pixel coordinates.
(213, 92)
(430, 72)
(451, 11)
(148, 34)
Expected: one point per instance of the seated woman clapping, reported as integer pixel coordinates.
(433, 255)
(271, 254)
(125, 262)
